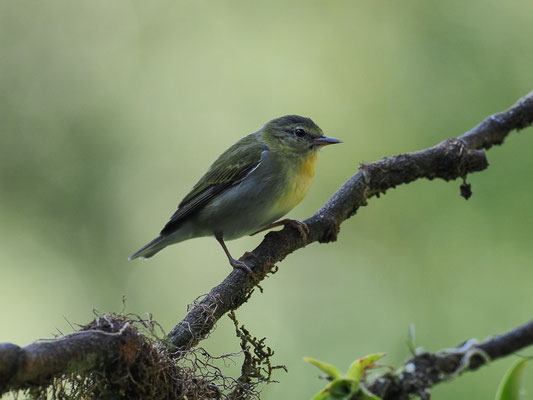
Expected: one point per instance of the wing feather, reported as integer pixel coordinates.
(228, 170)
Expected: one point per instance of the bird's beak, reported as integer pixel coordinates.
(325, 140)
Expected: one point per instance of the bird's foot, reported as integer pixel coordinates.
(238, 264)
(302, 227)
(299, 225)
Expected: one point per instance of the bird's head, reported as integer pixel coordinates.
(295, 135)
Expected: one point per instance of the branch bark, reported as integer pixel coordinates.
(88, 350)
(425, 370)
(81, 351)
(450, 159)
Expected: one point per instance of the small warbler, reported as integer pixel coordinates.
(250, 186)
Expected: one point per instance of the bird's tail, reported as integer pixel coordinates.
(150, 249)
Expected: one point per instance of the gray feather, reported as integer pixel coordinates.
(150, 249)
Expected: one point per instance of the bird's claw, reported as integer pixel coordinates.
(302, 227)
(238, 264)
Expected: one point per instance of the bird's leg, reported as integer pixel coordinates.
(233, 262)
(301, 226)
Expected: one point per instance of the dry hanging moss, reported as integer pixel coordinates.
(148, 368)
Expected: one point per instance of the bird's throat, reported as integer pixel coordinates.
(307, 167)
(298, 183)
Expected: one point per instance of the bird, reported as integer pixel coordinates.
(249, 187)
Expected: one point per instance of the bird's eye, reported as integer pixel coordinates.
(299, 132)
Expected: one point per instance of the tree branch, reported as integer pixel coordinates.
(450, 159)
(81, 351)
(425, 370)
(114, 356)
(94, 348)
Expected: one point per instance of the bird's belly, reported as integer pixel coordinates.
(294, 193)
(241, 210)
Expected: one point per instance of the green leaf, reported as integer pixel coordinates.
(357, 368)
(331, 370)
(323, 394)
(339, 389)
(345, 387)
(411, 336)
(509, 388)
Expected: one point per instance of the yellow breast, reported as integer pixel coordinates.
(298, 185)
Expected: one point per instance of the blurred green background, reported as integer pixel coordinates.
(110, 112)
